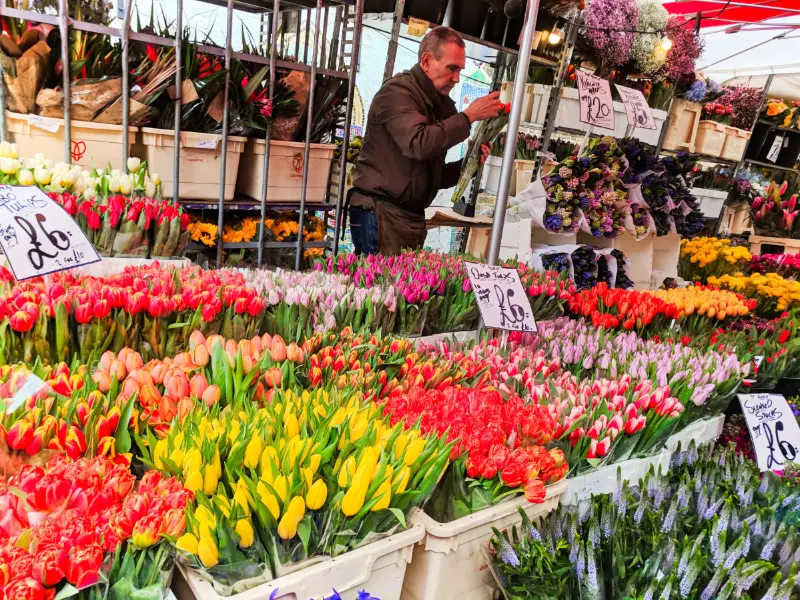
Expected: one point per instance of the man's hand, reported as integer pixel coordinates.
(486, 150)
(484, 108)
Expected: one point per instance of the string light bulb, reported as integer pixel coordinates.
(555, 36)
(666, 43)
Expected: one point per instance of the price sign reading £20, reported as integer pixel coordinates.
(38, 236)
(597, 107)
(501, 297)
(773, 429)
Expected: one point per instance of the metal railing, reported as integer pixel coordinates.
(343, 56)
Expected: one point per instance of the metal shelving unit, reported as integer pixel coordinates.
(339, 62)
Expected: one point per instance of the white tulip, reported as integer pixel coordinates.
(79, 186)
(25, 177)
(14, 151)
(133, 164)
(89, 193)
(42, 176)
(48, 164)
(150, 189)
(16, 165)
(40, 158)
(157, 179)
(115, 173)
(113, 184)
(125, 185)
(6, 166)
(5, 150)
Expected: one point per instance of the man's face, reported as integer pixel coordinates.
(445, 72)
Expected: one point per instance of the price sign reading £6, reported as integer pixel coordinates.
(636, 108)
(501, 297)
(38, 236)
(597, 107)
(773, 429)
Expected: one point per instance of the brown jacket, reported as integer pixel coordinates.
(402, 163)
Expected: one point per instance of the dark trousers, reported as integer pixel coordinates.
(364, 230)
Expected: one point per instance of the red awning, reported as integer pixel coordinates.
(721, 13)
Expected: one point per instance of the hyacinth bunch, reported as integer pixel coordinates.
(580, 190)
(712, 528)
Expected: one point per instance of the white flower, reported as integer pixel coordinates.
(133, 164)
(7, 166)
(42, 176)
(125, 185)
(25, 177)
(15, 165)
(150, 189)
(48, 164)
(115, 173)
(114, 184)
(157, 179)
(14, 152)
(5, 150)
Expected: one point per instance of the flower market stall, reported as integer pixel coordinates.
(333, 432)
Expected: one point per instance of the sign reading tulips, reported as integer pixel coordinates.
(38, 236)
(501, 297)
(773, 429)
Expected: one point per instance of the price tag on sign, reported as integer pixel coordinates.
(501, 297)
(636, 108)
(773, 429)
(38, 236)
(775, 149)
(597, 107)
(417, 27)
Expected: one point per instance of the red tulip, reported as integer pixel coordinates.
(208, 313)
(47, 565)
(83, 565)
(19, 435)
(27, 588)
(535, 491)
(22, 321)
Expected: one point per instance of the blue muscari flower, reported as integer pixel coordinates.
(364, 595)
(506, 553)
(335, 596)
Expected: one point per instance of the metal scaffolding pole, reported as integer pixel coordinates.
(298, 261)
(264, 185)
(63, 24)
(225, 118)
(393, 41)
(351, 88)
(509, 153)
(126, 83)
(176, 165)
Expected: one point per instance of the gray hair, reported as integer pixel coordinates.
(436, 39)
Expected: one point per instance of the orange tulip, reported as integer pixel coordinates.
(211, 395)
(198, 385)
(102, 379)
(133, 361)
(196, 339)
(278, 350)
(200, 355)
(157, 370)
(130, 386)
(184, 359)
(273, 377)
(212, 341)
(117, 368)
(105, 360)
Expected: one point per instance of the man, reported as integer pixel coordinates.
(412, 123)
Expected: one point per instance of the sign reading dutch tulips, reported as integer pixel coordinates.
(773, 429)
(38, 236)
(501, 297)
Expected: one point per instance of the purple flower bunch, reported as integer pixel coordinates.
(746, 102)
(640, 159)
(602, 19)
(584, 265)
(687, 47)
(623, 281)
(556, 261)
(641, 219)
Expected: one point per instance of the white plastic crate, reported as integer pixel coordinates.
(650, 136)
(710, 201)
(491, 174)
(449, 564)
(378, 568)
(604, 479)
(699, 432)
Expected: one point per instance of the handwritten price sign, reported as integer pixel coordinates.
(38, 236)
(773, 429)
(597, 107)
(501, 297)
(636, 108)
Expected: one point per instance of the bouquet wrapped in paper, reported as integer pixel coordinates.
(171, 230)
(133, 238)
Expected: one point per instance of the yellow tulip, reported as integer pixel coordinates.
(188, 543)
(241, 497)
(269, 461)
(224, 504)
(177, 457)
(268, 500)
(204, 515)
(193, 460)
(280, 486)
(252, 453)
(161, 450)
(354, 498)
(400, 480)
(400, 444)
(316, 495)
(291, 426)
(413, 452)
(287, 528)
(368, 462)
(316, 459)
(358, 425)
(194, 481)
(245, 532)
(347, 472)
(296, 508)
(210, 480)
(385, 494)
(208, 552)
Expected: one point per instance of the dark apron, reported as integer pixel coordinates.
(398, 229)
